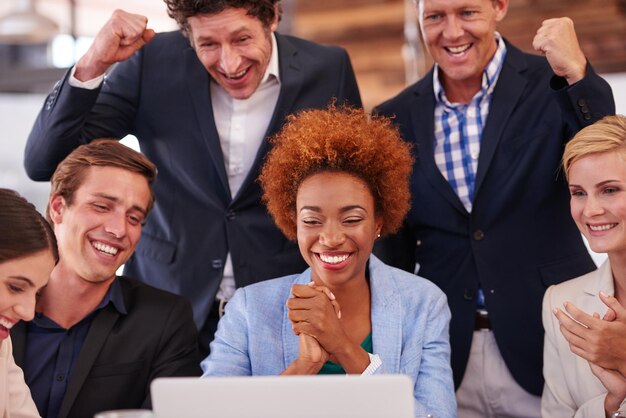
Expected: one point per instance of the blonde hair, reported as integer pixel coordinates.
(606, 135)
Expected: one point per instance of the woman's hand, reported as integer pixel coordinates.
(601, 341)
(615, 384)
(314, 311)
(311, 357)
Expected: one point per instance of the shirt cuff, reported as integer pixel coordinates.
(375, 363)
(92, 84)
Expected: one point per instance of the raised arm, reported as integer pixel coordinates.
(75, 113)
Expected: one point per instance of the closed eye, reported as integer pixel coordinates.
(15, 289)
(577, 193)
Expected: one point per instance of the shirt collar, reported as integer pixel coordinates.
(490, 74)
(114, 296)
(272, 67)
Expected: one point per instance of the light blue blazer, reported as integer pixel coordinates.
(410, 319)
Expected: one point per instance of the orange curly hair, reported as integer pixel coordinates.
(338, 139)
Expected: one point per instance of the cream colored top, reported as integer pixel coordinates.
(15, 399)
(571, 389)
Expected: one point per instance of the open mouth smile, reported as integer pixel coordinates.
(600, 228)
(457, 50)
(104, 248)
(237, 76)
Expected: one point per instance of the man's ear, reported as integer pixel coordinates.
(56, 208)
(277, 12)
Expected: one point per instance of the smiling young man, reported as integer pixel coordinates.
(202, 102)
(97, 339)
(489, 221)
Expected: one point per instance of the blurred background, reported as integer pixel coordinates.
(40, 39)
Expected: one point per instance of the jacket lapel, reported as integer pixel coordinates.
(290, 85)
(98, 332)
(507, 93)
(198, 86)
(386, 309)
(422, 111)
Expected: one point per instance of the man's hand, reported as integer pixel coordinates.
(556, 39)
(599, 341)
(122, 35)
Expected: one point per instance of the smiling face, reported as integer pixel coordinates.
(20, 280)
(597, 185)
(459, 35)
(336, 227)
(99, 231)
(235, 49)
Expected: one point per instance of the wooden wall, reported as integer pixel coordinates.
(372, 32)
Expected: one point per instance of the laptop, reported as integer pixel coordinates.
(329, 396)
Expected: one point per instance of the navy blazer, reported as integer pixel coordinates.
(122, 354)
(161, 95)
(519, 237)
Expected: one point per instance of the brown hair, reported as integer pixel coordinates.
(23, 230)
(608, 134)
(338, 139)
(181, 10)
(70, 172)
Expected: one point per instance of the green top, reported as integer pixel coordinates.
(333, 368)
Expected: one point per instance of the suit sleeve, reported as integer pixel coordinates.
(584, 102)
(229, 350)
(434, 388)
(178, 346)
(20, 404)
(73, 116)
(348, 89)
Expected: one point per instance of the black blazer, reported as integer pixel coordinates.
(519, 237)
(122, 354)
(161, 95)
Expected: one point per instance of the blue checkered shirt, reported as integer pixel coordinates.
(459, 128)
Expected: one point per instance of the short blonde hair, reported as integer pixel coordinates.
(608, 134)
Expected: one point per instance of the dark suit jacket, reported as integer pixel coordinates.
(519, 237)
(161, 95)
(122, 354)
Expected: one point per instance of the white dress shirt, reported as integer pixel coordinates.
(241, 126)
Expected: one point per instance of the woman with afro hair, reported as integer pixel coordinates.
(335, 181)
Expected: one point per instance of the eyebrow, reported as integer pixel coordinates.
(116, 200)
(202, 38)
(602, 183)
(342, 210)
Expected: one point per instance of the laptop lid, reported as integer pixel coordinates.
(330, 396)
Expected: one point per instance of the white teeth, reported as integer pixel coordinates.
(334, 259)
(601, 227)
(458, 49)
(104, 248)
(5, 323)
(238, 75)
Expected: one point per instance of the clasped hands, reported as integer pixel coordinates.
(315, 315)
(600, 341)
